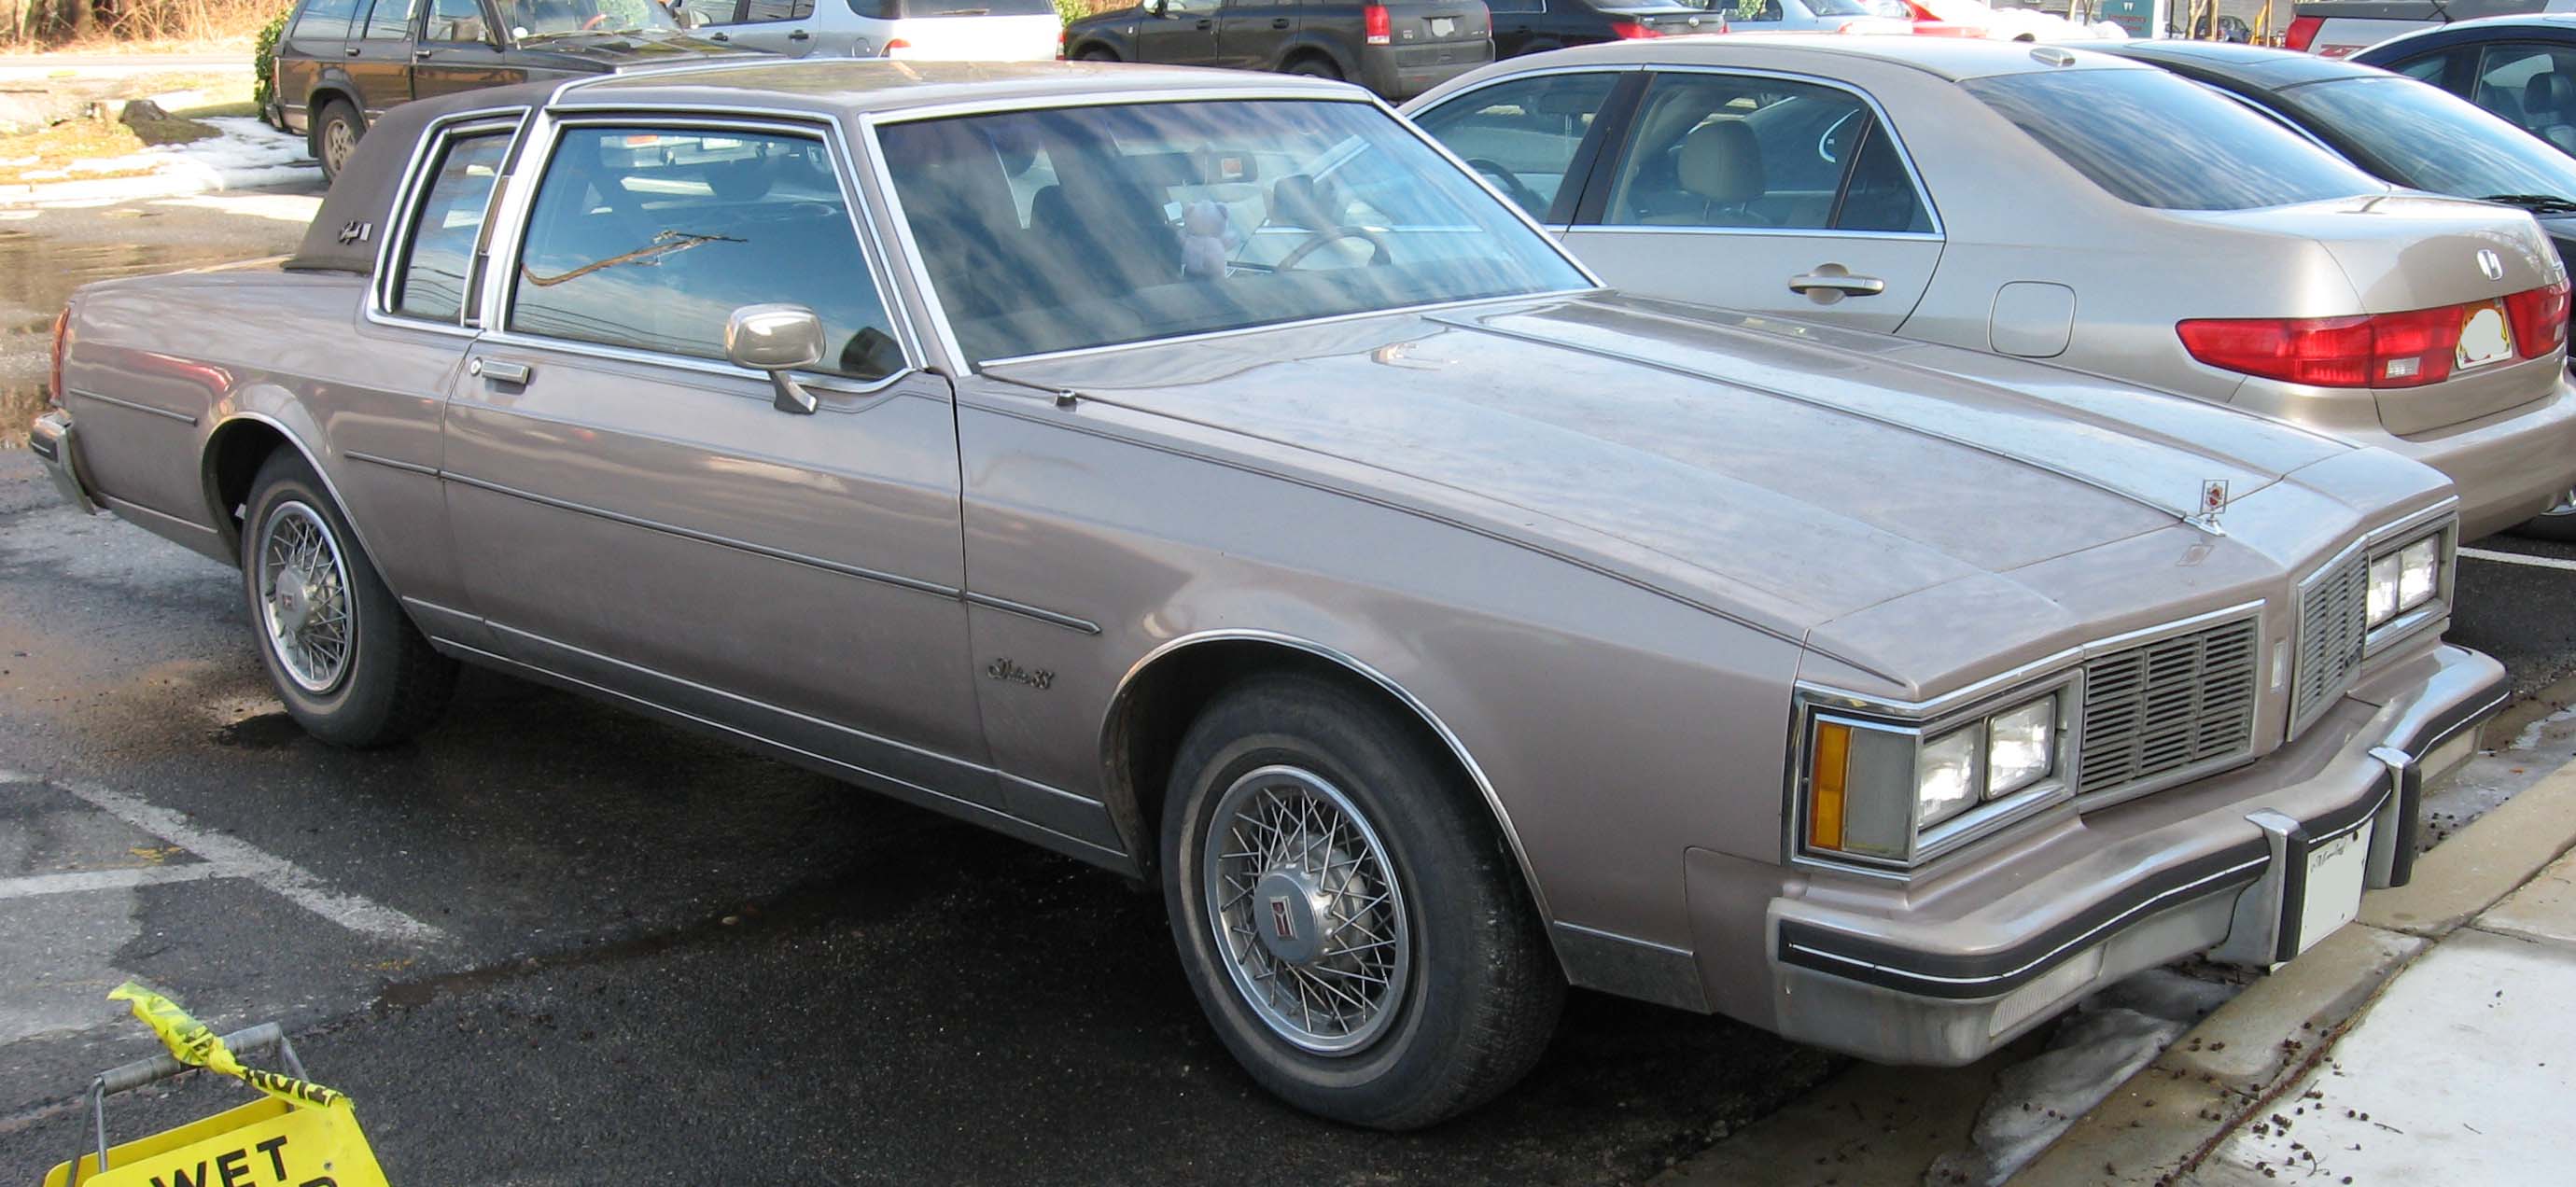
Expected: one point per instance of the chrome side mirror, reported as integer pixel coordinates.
(776, 339)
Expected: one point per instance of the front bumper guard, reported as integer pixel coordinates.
(51, 440)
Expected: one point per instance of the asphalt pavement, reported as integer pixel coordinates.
(553, 943)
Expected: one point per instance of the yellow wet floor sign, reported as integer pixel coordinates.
(300, 1135)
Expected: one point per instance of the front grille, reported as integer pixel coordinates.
(2168, 705)
(2333, 624)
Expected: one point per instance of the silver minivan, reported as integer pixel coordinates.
(954, 30)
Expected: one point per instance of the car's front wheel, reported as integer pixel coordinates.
(1348, 914)
(350, 666)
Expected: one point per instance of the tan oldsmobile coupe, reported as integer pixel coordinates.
(1204, 475)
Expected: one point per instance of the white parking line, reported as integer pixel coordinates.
(117, 879)
(2518, 558)
(236, 858)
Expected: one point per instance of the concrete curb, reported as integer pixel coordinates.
(2157, 1127)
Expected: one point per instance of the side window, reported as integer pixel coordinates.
(325, 21)
(2534, 86)
(650, 239)
(1754, 11)
(763, 11)
(389, 20)
(2429, 68)
(456, 20)
(713, 12)
(430, 281)
(1522, 135)
(1716, 150)
(1880, 195)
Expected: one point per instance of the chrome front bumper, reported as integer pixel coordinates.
(50, 439)
(2220, 869)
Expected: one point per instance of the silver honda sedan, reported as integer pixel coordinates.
(2047, 203)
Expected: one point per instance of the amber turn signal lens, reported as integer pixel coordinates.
(1828, 763)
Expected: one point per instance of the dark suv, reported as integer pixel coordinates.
(341, 63)
(1398, 49)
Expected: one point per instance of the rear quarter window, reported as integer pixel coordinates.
(2154, 139)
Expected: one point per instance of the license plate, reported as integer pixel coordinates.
(2486, 336)
(2333, 895)
(1442, 26)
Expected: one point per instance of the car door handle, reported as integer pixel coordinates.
(500, 372)
(421, 55)
(800, 35)
(719, 37)
(1837, 281)
(1279, 22)
(349, 50)
(1207, 23)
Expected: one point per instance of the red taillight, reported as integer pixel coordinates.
(2302, 33)
(900, 43)
(2539, 319)
(1059, 43)
(62, 342)
(1633, 30)
(1380, 29)
(2386, 350)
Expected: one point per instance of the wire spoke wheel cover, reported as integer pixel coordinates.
(1309, 919)
(305, 606)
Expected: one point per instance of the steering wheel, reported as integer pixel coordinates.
(1378, 255)
(593, 23)
(1512, 186)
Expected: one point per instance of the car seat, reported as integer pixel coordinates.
(1720, 173)
(2549, 109)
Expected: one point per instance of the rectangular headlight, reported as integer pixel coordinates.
(1886, 791)
(2406, 577)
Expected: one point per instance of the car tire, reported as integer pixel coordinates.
(336, 132)
(348, 663)
(2558, 523)
(1095, 54)
(1315, 66)
(1448, 991)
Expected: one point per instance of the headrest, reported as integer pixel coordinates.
(2548, 92)
(1721, 162)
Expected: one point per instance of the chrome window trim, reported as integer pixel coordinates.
(414, 190)
(870, 124)
(1904, 156)
(1398, 311)
(510, 239)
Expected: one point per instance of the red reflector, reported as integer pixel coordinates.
(62, 340)
(1375, 23)
(2302, 33)
(2539, 319)
(1633, 30)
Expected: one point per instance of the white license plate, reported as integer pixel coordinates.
(1442, 26)
(2486, 336)
(2333, 896)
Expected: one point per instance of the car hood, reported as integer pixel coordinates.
(624, 51)
(1786, 474)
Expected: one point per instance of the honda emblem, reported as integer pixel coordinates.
(2489, 265)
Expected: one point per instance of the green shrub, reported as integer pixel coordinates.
(263, 60)
(1069, 11)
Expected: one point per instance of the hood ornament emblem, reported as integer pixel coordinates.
(2213, 502)
(2489, 265)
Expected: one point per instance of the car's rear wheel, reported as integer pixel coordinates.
(350, 667)
(1096, 54)
(1346, 910)
(336, 132)
(1315, 66)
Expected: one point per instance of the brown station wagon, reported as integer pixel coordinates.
(1205, 475)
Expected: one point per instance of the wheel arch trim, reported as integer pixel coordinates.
(1119, 699)
(223, 516)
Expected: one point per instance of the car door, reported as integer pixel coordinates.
(641, 516)
(773, 26)
(1534, 136)
(1761, 193)
(1253, 34)
(1178, 31)
(459, 50)
(378, 56)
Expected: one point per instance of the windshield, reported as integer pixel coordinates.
(553, 18)
(1066, 228)
(2155, 139)
(2434, 140)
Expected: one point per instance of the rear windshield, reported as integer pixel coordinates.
(2434, 140)
(2155, 139)
(900, 10)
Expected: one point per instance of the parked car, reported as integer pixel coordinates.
(2150, 230)
(340, 64)
(1809, 16)
(1395, 49)
(1536, 26)
(2521, 68)
(960, 30)
(1204, 476)
(2341, 28)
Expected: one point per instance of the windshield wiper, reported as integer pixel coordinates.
(2536, 203)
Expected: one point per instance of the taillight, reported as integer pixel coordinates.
(2386, 350)
(2539, 319)
(1633, 30)
(1059, 43)
(1380, 29)
(2302, 33)
(62, 341)
(901, 44)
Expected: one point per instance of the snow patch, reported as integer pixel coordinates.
(2531, 735)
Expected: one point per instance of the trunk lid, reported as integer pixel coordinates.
(1418, 22)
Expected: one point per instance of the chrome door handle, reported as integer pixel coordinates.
(498, 371)
(1279, 22)
(1837, 281)
(349, 51)
(800, 35)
